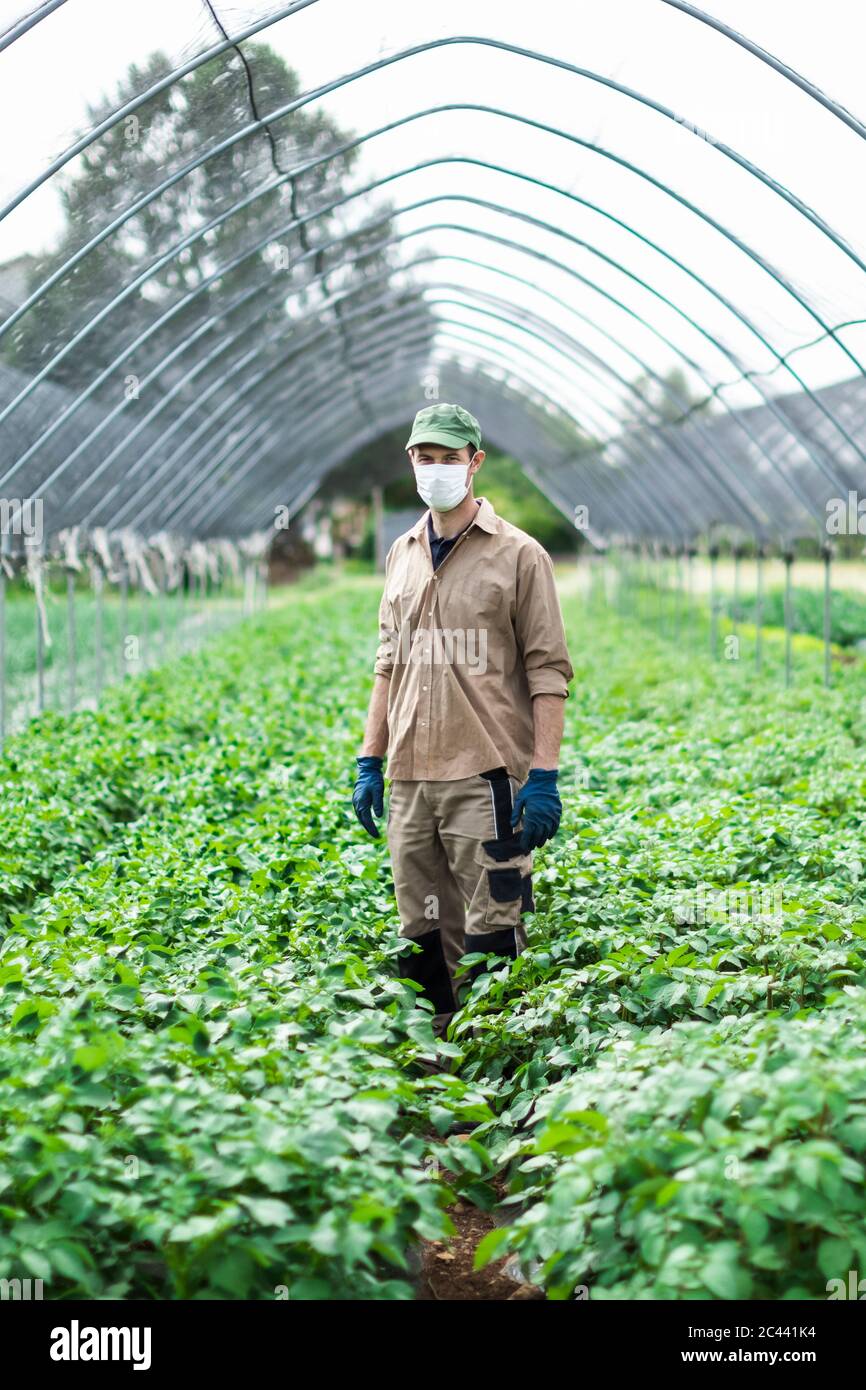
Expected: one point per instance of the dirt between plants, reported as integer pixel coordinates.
(446, 1273)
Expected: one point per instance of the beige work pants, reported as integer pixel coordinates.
(461, 881)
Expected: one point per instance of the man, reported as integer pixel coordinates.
(471, 676)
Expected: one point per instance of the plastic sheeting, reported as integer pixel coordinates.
(630, 233)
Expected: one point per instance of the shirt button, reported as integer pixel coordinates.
(423, 687)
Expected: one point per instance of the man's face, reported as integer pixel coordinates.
(442, 453)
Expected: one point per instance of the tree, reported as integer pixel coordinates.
(130, 160)
(663, 400)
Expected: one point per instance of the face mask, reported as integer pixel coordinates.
(441, 485)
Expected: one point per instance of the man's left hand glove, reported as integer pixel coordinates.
(539, 804)
(368, 792)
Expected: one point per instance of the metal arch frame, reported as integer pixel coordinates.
(403, 313)
(121, 113)
(787, 424)
(548, 364)
(803, 502)
(302, 346)
(696, 457)
(790, 74)
(29, 21)
(185, 242)
(342, 149)
(156, 501)
(315, 93)
(525, 52)
(371, 433)
(307, 165)
(586, 318)
(500, 401)
(491, 356)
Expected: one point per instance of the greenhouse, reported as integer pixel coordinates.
(242, 247)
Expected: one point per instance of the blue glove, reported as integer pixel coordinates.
(539, 804)
(368, 792)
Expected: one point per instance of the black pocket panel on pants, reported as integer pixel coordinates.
(502, 850)
(500, 789)
(527, 902)
(505, 884)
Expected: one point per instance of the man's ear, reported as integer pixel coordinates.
(476, 461)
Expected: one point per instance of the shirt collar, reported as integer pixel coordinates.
(485, 517)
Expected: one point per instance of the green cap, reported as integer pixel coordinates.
(450, 425)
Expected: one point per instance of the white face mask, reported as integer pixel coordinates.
(441, 485)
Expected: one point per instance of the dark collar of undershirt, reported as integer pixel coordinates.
(440, 545)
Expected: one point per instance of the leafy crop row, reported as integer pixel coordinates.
(208, 1079)
(206, 1065)
(683, 1114)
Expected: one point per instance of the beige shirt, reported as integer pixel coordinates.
(466, 648)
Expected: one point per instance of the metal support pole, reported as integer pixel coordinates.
(759, 607)
(71, 654)
(690, 592)
(40, 663)
(163, 633)
(735, 610)
(827, 553)
(124, 620)
(714, 615)
(378, 530)
(143, 626)
(2, 656)
(789, 614)
(641, 583)
(98, 602)
(660, 610)
(182, 605)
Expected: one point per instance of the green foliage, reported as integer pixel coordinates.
(847, 613)
(210, 1080)
(207, 1061)
(680, 1099)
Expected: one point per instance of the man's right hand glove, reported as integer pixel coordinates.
(538, 803)
(368, 792)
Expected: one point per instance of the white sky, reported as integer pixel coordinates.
(83, 49)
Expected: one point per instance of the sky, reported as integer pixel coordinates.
(622, 252)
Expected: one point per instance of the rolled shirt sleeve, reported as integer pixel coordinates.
(539, 626)
(386, 651)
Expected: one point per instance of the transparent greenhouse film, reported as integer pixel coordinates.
(593, 262)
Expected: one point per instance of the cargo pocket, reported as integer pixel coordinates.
(505, 882)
